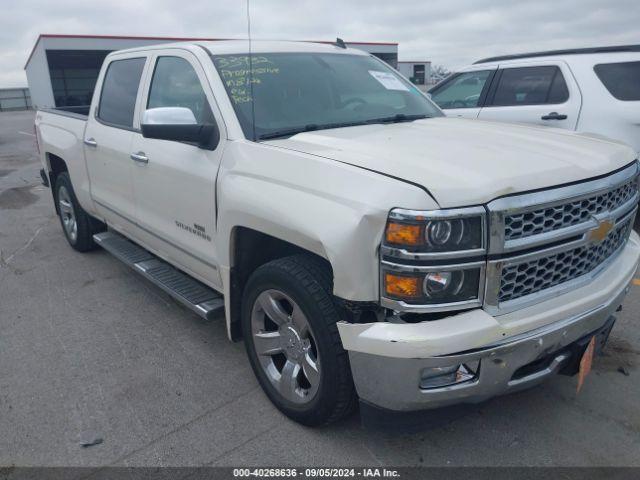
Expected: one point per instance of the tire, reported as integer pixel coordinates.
(294, 290)
(78, 226)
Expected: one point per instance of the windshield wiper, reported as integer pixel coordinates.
(308, 128)
(400, 117)
(288, 132)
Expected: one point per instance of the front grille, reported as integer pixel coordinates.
(533, 276)
(545, 242)
(543, 220)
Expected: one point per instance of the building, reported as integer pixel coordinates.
(419, 72)
(62, 69)
(14, 99)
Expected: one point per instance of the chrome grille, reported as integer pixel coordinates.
(547, 242)
(526, 224)
(533, 276)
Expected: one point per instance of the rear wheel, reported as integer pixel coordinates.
(78, 226)
(289, 326)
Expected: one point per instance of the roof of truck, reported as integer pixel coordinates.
(231, 47)
(226, 47)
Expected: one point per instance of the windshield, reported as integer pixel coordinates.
(288, 93)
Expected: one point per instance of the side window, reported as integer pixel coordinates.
(621, 79)
(530, 86)
(176, 84)
(119, 92)
(559, 92)
(461, 91)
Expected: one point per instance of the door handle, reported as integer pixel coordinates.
(554, 116)
(91, 142)
(139, 157)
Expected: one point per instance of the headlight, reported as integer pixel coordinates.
(459, 231)
(433, 260)
(449, 286)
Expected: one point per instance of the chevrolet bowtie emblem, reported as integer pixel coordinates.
(599, 233)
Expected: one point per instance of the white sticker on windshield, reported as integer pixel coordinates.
(388, 80)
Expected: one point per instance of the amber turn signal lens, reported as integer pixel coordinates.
(400, 286)
(402, 234)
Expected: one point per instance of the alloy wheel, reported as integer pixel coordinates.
(67, 213)
(285, 346)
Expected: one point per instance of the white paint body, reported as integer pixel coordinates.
(590, 107)
(328, 192)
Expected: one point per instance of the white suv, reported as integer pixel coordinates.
(592, 90)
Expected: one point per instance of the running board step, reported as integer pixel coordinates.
(203, 300)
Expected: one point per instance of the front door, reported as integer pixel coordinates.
(174, 185)
(108, 139)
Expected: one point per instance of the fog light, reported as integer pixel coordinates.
(436, 377)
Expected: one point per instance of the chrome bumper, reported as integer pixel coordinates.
(394, 383)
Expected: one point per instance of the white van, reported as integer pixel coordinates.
(590, 90)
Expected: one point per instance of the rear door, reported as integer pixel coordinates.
(175, 186)
(108, 138)
(463, 93)
(542, 93)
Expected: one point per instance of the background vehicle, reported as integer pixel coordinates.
(357, 240)
(592, 90)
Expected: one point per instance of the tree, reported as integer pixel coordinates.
(439, 72)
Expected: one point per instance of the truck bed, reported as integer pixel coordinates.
(61, 134)
(80, 112)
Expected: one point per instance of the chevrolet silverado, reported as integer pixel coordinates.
(364, 246)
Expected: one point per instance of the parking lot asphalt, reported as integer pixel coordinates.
(89, 350)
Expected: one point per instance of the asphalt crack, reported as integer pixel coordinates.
(6, 262)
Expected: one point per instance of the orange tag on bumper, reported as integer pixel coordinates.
(585, 363)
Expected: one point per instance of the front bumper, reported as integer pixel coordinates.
(512, 352)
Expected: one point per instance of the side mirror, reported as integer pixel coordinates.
(178, 124)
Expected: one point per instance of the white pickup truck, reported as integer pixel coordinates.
(363, 245)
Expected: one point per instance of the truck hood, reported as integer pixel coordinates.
(466, 162)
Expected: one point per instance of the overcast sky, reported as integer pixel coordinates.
(448, 32)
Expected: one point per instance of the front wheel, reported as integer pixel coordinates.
(289, 326)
